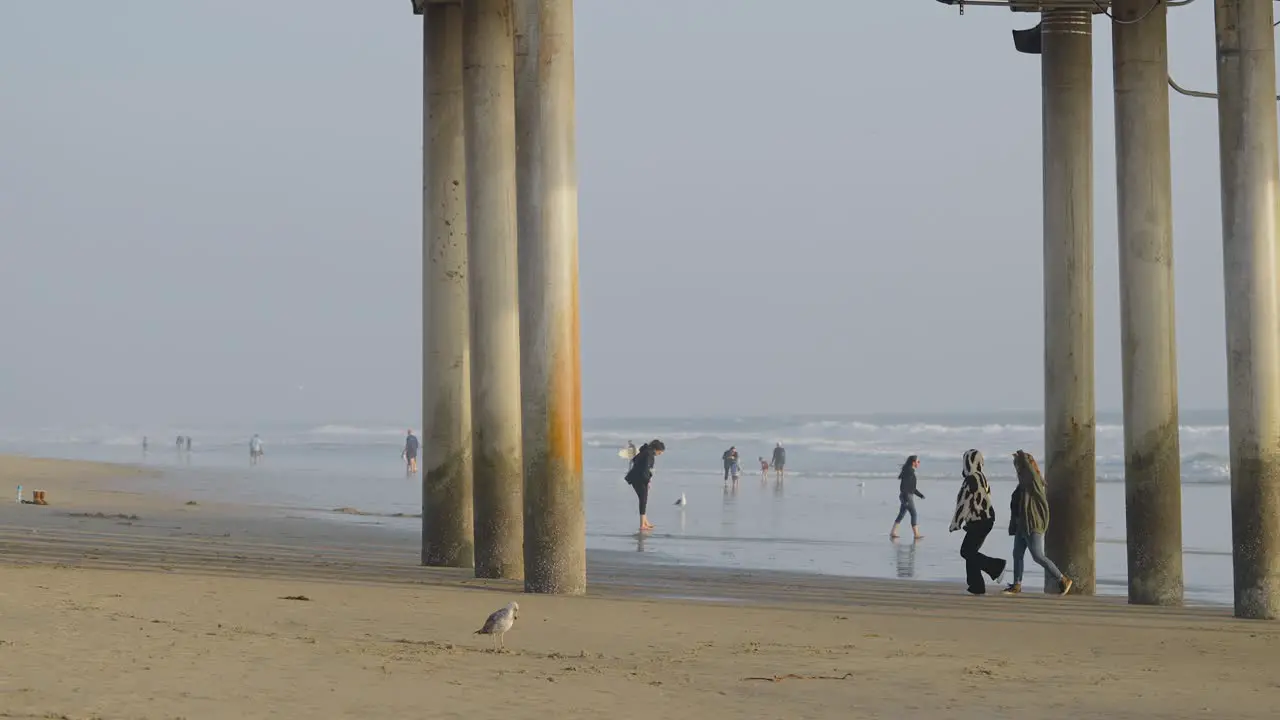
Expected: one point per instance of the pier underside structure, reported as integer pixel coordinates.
(502, 406)
(502, 470)
(1250, 171)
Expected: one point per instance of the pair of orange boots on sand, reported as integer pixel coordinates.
(37, 498)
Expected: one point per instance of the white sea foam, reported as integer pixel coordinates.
(852, 447)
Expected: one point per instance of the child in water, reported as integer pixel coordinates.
(764, 469)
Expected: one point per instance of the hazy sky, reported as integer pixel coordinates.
(213, 210)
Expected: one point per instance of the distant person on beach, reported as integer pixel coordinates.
(1029, 523)
(976, 516)
(179, 443)
(255, 449)
(907, 494)
(641, 475)
(764, 470)
(144, 444)
(730, 457)
(188, 439)
(410, 453)
(779, 460)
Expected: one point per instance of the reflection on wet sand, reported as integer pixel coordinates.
(905, 557)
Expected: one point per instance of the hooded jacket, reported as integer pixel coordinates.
(1035, 502)
(973, 502)
(641, 471)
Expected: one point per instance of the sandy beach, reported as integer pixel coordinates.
(137, 604)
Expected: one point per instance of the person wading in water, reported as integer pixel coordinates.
(730, 458)
(641, 474)
(410, 453)
(907, 494)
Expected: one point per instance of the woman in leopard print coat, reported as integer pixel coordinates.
(976, 516)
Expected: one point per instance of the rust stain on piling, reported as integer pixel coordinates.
(555, 535)
(564, 401)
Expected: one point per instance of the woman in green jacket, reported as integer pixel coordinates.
(1030, 522)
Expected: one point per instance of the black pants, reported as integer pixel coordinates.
(642, 492)
(975, 533)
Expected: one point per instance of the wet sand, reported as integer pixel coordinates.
(136, 604)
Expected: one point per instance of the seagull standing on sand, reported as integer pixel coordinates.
(499, 623)
(682, 501)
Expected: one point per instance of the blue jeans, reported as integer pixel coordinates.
(908, 505)
(1035, 543)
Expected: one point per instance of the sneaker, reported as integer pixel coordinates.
(1013, 589)
(1064, 585)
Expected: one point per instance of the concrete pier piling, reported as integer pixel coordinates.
(1067, 87)
(1250, 176)
(446, 373)
(554, 515)
(1153, 490)
(489, 101)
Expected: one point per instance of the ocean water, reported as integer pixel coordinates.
(831, 515)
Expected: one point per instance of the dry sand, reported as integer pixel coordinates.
(159, 609)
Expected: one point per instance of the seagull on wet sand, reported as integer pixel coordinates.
(682, 501)
(499, 623)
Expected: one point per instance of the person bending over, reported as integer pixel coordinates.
(641, 475)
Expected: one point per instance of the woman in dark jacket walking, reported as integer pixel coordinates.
(640, 475)
(976, 516)
(907, 494)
